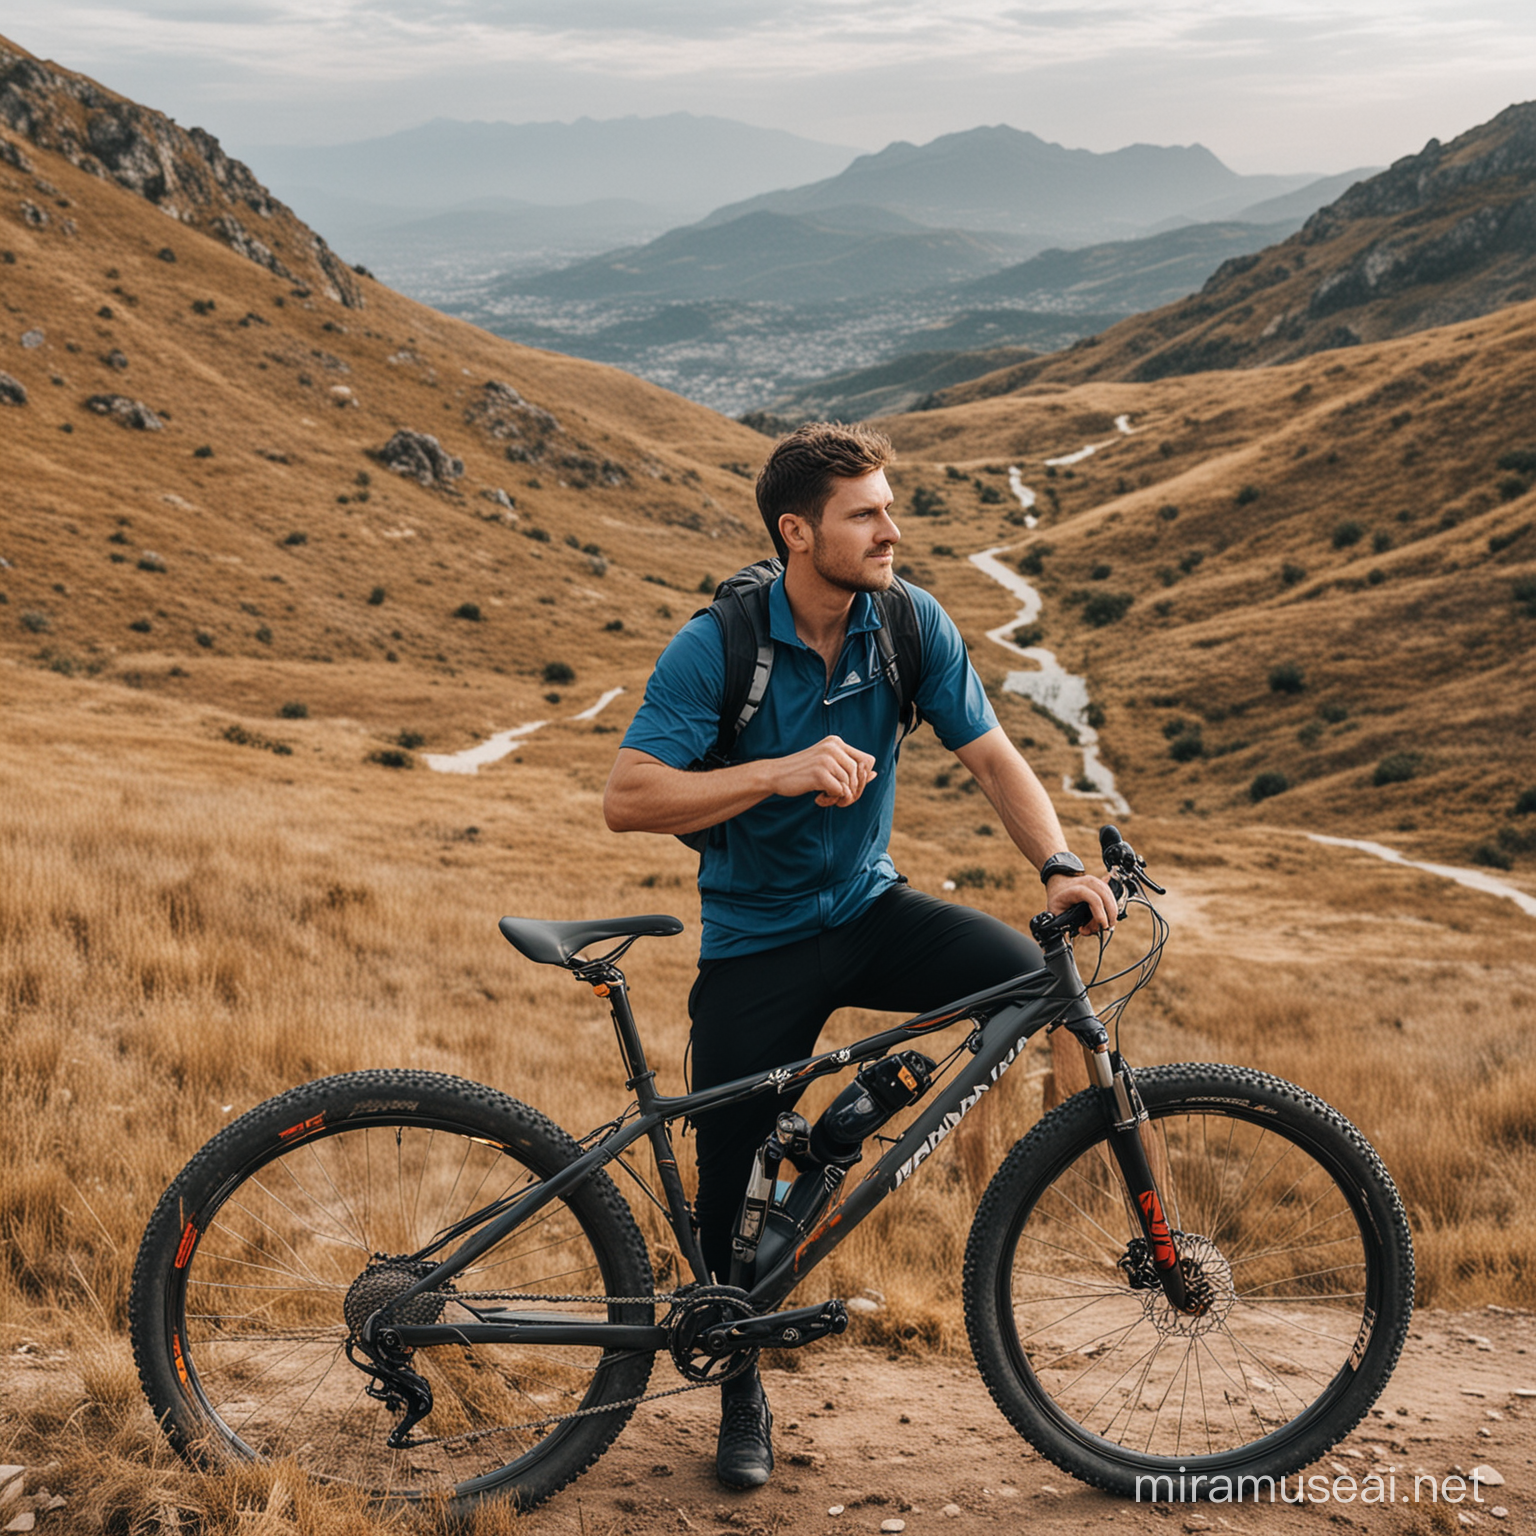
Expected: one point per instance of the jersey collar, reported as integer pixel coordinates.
(781, 621)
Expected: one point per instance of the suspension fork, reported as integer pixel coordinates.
(1126, 1115)
(1123, 1109)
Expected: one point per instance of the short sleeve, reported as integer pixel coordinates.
(679, 719)
(950, 694)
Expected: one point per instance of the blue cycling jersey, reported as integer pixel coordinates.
(787, 868)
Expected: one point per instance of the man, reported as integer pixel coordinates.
(803, 910)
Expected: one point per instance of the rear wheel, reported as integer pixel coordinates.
(298, 1220)
(1285, 1217)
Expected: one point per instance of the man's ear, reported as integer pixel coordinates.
(796, 533)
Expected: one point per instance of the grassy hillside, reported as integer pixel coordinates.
(1311, 571)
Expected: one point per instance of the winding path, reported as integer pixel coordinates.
(1473, 879)
(496, 747)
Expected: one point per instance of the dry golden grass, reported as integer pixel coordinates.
(189, 924)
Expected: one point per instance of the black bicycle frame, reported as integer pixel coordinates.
(1005, 1018)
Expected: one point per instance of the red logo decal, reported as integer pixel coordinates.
(1163, 1254)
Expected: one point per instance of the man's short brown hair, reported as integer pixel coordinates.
(799, 473)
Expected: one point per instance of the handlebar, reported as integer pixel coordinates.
(1127, 874)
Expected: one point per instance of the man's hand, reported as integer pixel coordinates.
(1063, 890)
(831, 770)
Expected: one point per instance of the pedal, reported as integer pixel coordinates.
(778, 1330)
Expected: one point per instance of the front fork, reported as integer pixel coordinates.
(1126, 1114)
(1123, 1109)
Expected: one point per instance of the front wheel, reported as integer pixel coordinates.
(1285, 1217)
(305, 1215)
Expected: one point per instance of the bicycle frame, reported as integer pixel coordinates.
(1005, 1018)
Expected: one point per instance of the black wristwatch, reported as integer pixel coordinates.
(1060, 864)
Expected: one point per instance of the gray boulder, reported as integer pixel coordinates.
(132, 413)
(420, 457)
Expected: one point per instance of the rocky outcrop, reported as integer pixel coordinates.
(182, 171)
(132, 413)
(12, 391)
(420, 457)
(506, 417)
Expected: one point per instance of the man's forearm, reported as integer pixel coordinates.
(645, 795)
(1016, 794)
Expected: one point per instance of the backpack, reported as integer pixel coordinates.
(740, 608)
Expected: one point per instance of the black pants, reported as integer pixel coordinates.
(906, 953)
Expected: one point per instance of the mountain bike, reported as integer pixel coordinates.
(414, 1283)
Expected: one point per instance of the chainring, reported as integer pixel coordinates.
(703, 1308)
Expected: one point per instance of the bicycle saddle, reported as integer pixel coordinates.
(556, 943)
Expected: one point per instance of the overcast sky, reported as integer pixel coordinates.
(1269, 85)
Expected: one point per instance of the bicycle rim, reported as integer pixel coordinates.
(1271, 1195)
(257, 1310)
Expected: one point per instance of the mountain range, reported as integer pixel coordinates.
(1441, 236)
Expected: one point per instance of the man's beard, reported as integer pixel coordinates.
(866, 576)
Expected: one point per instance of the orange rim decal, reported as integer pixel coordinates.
(188, 1239)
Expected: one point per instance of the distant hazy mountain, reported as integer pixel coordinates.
(839, 253)
(1301, 204)
(1004, 179)
(1127, 276)
(1439, 237)
(680, 161)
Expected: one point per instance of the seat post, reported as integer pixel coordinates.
(641, 1081)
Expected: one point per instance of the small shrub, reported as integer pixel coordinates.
(376, 597)
(613, 626)
(203, 452)
(410, 740)
(1107, 608)
(1311, 733)
(1525, 802)
(538, 535)
(392, 757)
(572, 542)
(928, 503)
(203, 306)
(1101, 572)
(1374, 577)
(1291, 573)
(971, 877)
(551, 698)
(1094, 716)
(244, 738)
(1266, 785)
(942, 779)
(264, 635)
(296, 538)
(1168, 512)
(1513, 486)
(944, 550)
(1396, 768)
(470, 611)
(559, 674)
(989, 495)
(1032, 561)
(36, 622)
(952, 473)
(1381, 540)
(706, 584)
(1248, 494)
(1499, 542)
(1189, 562)
(1347, 532)
(1491, 856)
(293, 710)
(1334, 713)
(1027, 635)
(1287, 677)
(1186, 748)
(204, 639)
(140, 626)
(1524, 593)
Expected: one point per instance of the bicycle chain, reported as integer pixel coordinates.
(471, 1437)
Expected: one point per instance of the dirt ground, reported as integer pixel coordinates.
(863, 1439)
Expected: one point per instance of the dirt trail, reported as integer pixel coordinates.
(895, 1438)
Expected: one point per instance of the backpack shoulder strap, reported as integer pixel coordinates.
(740, 610)
(900, 643)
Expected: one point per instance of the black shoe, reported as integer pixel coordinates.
(744, 1455)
